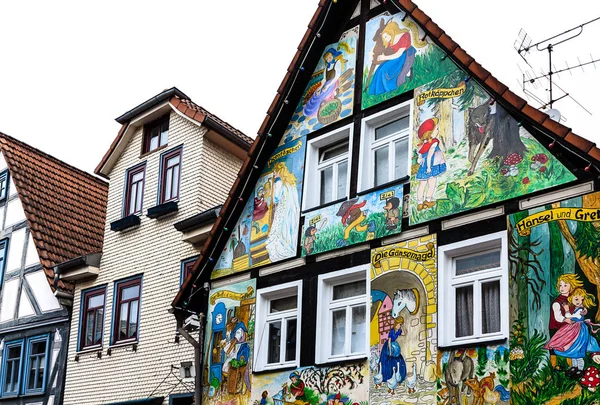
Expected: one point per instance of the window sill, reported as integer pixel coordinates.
(125, 223)
(320, 207)
(342, 360)
(32, 394)
(401, 180)
(144, 154)
(475, 341)
(91, 349)
(278, 368)
(122, 345)
(162, 209)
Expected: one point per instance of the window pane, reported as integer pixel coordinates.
(342, 179)
(138, 200)
(168, 184)
(290, 340)
(327, 185)
(359, 320)
(10, 368)
(130, 292)
(164, 133)
(133, 319)
(89, 328)
(490, 306)
(391, 128)
(173, 161)
(475, 263)
(175, 187)
(464, 311)
(96, 301)
(14, 352)
(137, 177)
(274, 342)
(349, 290)
(133, 199)
(382, 174)
(123, 319)
(401, 162)
(38, 348)
(329, 152)
(99, 317)
(153, 139)
(338, 331)
(284, 304)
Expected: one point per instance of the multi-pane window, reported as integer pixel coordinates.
(333, 172)
(134, 194)
(475, 273)
(92, 318)
(278, 320)
(170, 175)
(36, 363)
(389, 149)
(186, 267)
(12, 359)
(342, 315)
(156, 134)
(3, 185)
(127, 310)
(3, 249)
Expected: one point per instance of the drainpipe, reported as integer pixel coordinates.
(198, 349)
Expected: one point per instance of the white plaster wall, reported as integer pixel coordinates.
(155, 249)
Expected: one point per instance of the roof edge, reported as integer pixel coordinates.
(165, 95)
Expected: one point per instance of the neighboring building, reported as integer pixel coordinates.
(170, 167)
(405, 230)
(50, 213)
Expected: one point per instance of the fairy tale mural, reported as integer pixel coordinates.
(403, 323)
(329, 95)
(398, 58)
(555, 275)
(468, 152)
(267, 230)
(229, 343)
(356, 220)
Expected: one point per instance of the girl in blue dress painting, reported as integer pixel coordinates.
(431, 163)
(391, 356)
(328, 88)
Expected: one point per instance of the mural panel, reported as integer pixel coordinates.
(357, 220)
(329, 96)
(267, 230)
(469, 152)
(335, 385)
(229, 343)
(555, 274)
(403, 323)
(397, 59)
(474, 376)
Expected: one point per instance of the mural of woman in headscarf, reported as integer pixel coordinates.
(329, 85)
(396, 61)
(281, 243)
(391, 356)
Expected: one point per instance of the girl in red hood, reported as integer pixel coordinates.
(431, 163)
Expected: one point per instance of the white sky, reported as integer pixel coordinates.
(68, 68)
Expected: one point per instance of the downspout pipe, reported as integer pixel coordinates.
(198, 353)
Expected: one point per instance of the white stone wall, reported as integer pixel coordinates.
(155, 250)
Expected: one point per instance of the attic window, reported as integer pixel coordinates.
(3, 185)
(156, 134)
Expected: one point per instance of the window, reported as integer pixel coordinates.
(156, 134)
(12, 359)
(36, 364)
(278, 326)
(92, 318)
(170, 174)
(342, 315)
(134, 194)
(328, 167)
(474, 300)
(385, 147)
(3, 185)
(3, 248)
(186, 267)
(127, 310)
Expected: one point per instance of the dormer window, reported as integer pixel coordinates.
(3, 185)
(156, 134)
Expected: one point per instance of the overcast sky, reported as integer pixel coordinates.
(68, 68)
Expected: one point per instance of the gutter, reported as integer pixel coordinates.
(148, 104)
(196, 221)
(226, 133)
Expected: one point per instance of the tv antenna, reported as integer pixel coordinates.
(523, 45)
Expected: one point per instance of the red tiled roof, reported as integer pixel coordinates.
(65, 207)
(498, 90)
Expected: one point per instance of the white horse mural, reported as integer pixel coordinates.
(407, 298)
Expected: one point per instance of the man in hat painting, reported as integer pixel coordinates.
(297, 387)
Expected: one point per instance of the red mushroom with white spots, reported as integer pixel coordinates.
(539, 160)
(512, 161)
(591, 378)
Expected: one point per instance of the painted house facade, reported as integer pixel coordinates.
(169, 168)
(50, 213)
(405, 229)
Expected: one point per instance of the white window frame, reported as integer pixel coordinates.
(264, 296)
(324, 313)
(448, 283)
(368, 145)
(312, 166)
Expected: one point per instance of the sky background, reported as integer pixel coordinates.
(68, 68)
